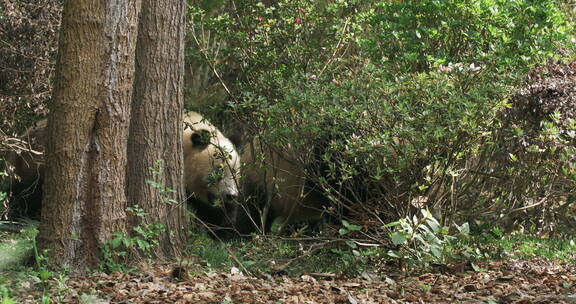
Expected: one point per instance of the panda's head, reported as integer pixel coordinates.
(211, 162)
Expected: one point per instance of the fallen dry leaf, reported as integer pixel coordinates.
(534, 281)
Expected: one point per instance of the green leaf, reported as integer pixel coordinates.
(116, 242)
(426, 288)
(464, 228)
(354, 227)
(127, 242)
(436, 251)
(398, 238)
(142, 244)
(433, 224)
(392, 224)
(45, 298)
(351, 244)
(513, 157)
(45, 275)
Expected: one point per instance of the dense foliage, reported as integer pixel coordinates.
(391, 106)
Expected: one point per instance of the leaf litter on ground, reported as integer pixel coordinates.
(511, 281)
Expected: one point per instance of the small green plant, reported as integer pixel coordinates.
(347, 228)
(5, 296)
(114, 258)
(45, 297)
(42, 270)
(144, 237)
(422, 240)
(115, 252)
(47, 278)
(164, 191)
(426, 288)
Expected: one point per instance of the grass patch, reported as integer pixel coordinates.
(16, 242)
(529, 247)
(214, 253)
(273, 254)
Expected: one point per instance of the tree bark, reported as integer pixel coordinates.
(156, 125)
(84, 191)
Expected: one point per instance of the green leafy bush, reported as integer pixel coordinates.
(421, 240)
(390, 106)
(532, 172)
(413, 36)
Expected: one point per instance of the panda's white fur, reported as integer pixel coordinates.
(211, 169)
(283, 182)
(218, 158)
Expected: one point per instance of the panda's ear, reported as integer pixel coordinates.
(200, 139)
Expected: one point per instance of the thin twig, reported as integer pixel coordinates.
(336, 48)
(314, 248)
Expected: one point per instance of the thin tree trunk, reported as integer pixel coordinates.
(84, 191)
(156, 127)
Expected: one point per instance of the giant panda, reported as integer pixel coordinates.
(25, 171)
(211, 168)
(211, 174)
(278, 188)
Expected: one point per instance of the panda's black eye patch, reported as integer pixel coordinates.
(201, 139)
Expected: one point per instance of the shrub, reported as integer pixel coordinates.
(532, 170)
(411, 36)
(391, 106)
(421, 240)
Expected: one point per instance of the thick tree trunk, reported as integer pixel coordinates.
(156, 126)
(84, 191)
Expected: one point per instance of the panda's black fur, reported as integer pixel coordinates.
(275, 190)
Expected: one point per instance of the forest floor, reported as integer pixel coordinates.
(509, 281)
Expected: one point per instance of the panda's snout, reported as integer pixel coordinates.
(223, 196)
(230, 194)
(229, 189)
